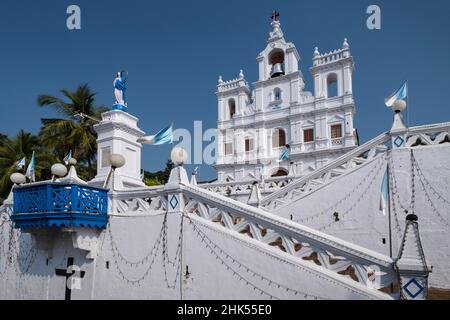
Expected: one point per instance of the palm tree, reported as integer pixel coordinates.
(12, 150)
(67, 133)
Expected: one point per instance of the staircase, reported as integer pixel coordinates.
(353, 160)
(346, 264)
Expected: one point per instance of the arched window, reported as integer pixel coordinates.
(277, 94)
(332, 85)
(280, 173)
(276, 59)
(278, 138)
(231, 108)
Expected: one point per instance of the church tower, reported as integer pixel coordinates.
(257, 125)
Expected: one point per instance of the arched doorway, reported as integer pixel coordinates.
(280, 173)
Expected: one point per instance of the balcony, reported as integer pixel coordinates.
(337, 142)
(55, 204)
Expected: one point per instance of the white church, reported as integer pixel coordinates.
(332, 219)
(255, 125)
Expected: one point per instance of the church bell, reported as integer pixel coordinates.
(277, 70)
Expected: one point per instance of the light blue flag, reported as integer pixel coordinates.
(400, 94)
(384, 193)
(163, 136)
(68, 157)
(21, 164)
(31, 170)
(284, 155)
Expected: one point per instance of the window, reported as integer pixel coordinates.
(278, 138)
(277, 94)
(248, 144)
(336, 131)
(228, 148)
(232, 108)
(308, 135)
(332, 85)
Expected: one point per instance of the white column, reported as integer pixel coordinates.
(317, 86)
(262, 75)
(118, 133)
(348, 87)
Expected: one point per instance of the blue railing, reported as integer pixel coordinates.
(57, 204)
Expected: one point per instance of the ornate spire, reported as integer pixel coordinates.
(255, 196)
(276, 33)
(194, 179)
(411, 264)
(345, 44)
(316, 52)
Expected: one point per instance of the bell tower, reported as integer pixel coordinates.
(279, 58)
(258, 123)
(334, 67)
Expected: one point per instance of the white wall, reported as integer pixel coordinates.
(365, 225)
(208, 279)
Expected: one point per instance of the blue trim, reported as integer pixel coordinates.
(60, 205)
(399, 142)
(58, 220)
(174, 202)
(120, 107)
(417, 284)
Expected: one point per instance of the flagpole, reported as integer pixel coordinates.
(407, 103)
(389, 203)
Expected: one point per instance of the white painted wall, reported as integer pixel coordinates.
(135, 236)
(366, 225)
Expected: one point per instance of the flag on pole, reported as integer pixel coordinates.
(163, 136)
(21, 164)
(285, 154)
(400, 94)
(68, 157)
(384, 193)
(31, 170)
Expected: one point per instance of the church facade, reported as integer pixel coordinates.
(328, 234)
(256, 125)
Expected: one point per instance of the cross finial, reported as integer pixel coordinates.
(275, 15)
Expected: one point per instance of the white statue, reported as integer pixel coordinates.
(119, 90)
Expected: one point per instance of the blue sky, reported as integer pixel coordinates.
(175, 51)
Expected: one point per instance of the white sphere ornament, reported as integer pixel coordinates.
(399, 105)
(18, 178)
(117, 160)
(72, 161)
(178, 156)
(59, 170)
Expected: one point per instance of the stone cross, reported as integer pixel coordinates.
(69, 273)
(275, 15)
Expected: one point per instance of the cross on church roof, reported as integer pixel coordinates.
(275, 15)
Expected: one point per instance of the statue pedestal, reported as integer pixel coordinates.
(120, 107)
(118, 133)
